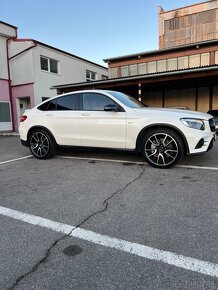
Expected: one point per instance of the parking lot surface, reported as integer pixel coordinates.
(106, 220)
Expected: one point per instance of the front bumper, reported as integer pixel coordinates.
(206, 145)
(211, 142)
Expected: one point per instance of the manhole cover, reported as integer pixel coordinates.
(72, 250)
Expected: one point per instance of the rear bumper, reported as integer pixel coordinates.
(24, 143)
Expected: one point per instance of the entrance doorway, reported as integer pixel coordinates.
(22, 105)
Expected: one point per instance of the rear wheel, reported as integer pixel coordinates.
(42, 144)
(162, 148)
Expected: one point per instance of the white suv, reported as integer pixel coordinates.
(110, 119)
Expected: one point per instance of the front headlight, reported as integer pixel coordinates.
(193, 123)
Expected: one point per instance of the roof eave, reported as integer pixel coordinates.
(138, 77)
(147, 53)
(70, 54)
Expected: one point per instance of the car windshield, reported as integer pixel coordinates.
(127, 100)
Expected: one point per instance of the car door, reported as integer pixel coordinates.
(61, 118)
(100, 128)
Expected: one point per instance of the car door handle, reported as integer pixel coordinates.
(85, 114)
(49, 114)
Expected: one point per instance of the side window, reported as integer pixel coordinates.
(48, 106)
(67, 103)
(95, 102)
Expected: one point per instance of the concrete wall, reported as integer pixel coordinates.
(71, 70)
(21, 68)
(3, 59)
(20, 92)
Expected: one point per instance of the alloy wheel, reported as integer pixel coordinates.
(39, 144)
(161, 149)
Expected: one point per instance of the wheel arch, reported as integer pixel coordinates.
(160, 126)
(32, 129)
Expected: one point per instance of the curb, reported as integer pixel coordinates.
(9, 134)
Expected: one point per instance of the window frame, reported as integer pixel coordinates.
(113, 72)
(90, 79)
(77, 107)
(81, 102)
(49, 59)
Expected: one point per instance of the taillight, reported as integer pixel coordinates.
(23, 118)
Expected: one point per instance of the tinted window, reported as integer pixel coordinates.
(48, 106)
(95, 102)
(67, 103)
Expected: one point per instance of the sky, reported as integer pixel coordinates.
(92, 29)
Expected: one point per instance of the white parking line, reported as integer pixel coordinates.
(198, 167)
(101, 159)
(134, 162)
(150, 253)
(112, 160)
(12, 160)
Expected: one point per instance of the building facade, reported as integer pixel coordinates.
(7, 32)
(30, 68)
(190, 24)
(186, 76)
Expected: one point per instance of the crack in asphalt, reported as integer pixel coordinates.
(48, 251)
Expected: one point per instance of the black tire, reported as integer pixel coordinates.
(162, 148)
(42, 144)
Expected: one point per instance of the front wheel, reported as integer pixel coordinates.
(162, 148)
(41, 144)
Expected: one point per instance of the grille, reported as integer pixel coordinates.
(212, 125)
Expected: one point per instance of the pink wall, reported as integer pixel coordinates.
(4, 90)
(21, 91)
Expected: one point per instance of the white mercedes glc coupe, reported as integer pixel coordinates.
(110, 119)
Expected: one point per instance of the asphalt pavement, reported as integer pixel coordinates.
(106, 220)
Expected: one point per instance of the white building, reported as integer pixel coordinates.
(31, 68)
(6, 33)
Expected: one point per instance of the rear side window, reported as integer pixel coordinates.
(67, 103)
(48, 106)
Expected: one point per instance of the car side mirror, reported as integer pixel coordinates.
(111, 108)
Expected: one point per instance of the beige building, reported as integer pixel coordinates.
(190, 24)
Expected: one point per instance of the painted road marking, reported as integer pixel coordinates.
(146, 252)
(197, 167)
(17, 159)
(111, 160)
(133, 162)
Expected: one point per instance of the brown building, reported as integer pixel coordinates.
(179, 76)
(190, 24)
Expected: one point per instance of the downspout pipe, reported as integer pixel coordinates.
(9, 76)
(9, 83)
(25, 50)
